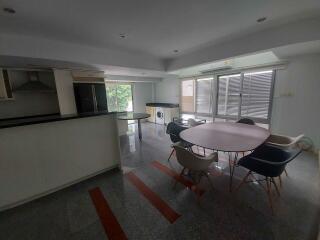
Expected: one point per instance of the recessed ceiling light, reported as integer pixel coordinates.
(259, 20)
(9, 10)
(175, 51)
(122, 35)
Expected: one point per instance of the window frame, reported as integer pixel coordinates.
(122, 83)
(211, 79)
(194, 95)
(242, 73)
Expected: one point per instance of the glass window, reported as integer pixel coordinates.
(256, 89)
(187, 96)
(119, 97)
(245, 95)
(229, 95)
(204, 96)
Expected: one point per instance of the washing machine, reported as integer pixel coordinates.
(159, 115)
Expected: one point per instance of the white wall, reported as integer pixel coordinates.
(142, 94)
(168, 90)
(41, 158)
(29, 103)
(300, 111)
(64, 84)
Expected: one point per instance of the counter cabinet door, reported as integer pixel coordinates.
(84, 97)
(151, 111)
(101, 97)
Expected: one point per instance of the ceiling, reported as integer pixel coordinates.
(109, 70)
(291, 50)
(156, 28)
(272, 56)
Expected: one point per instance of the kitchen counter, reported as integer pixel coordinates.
(15, 122)
(164, 105)
(38, 159)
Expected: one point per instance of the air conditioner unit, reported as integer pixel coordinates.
(87, 76)
(218, 67)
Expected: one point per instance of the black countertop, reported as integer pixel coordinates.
(22, 121)
(165, 105)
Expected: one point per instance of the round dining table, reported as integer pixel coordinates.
(134, 116)
(227, 137)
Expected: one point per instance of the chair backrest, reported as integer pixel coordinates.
(191, 161)
(246, 121)
(174, 129)
(192, 122)
(284, 142)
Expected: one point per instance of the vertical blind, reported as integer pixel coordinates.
(187, 96)
(256, 91)
(229, 95)
(245, 95)
(204, 96)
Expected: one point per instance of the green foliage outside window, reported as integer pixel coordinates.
(119, 97)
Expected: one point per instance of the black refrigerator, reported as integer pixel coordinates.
(90, 97)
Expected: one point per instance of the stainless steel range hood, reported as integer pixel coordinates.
(34, 84)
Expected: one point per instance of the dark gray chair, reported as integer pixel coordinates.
(269, 162)
(174, 129)
(246, 121)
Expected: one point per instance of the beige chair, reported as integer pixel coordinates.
(193, 123)
(196, 165)
(283, 142)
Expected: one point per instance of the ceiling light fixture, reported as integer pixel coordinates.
(175, 51)
(259, 20)
(122, 35)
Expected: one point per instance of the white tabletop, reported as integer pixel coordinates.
(224, 136)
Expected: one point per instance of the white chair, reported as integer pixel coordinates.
(192, 122)
(283, 142)
(196, 165)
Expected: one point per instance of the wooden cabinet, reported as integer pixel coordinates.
(169, 114)
(152, 112)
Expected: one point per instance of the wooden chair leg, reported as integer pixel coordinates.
(275, 186)
(243, 180)
(269, 193)
(171, 155)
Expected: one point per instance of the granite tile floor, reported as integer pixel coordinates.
(243, 214)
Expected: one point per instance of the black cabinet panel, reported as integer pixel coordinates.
(84, 97)
(90, 97)
(101, 97)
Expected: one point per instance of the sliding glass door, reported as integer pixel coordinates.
(119, 97)
(246, 94)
